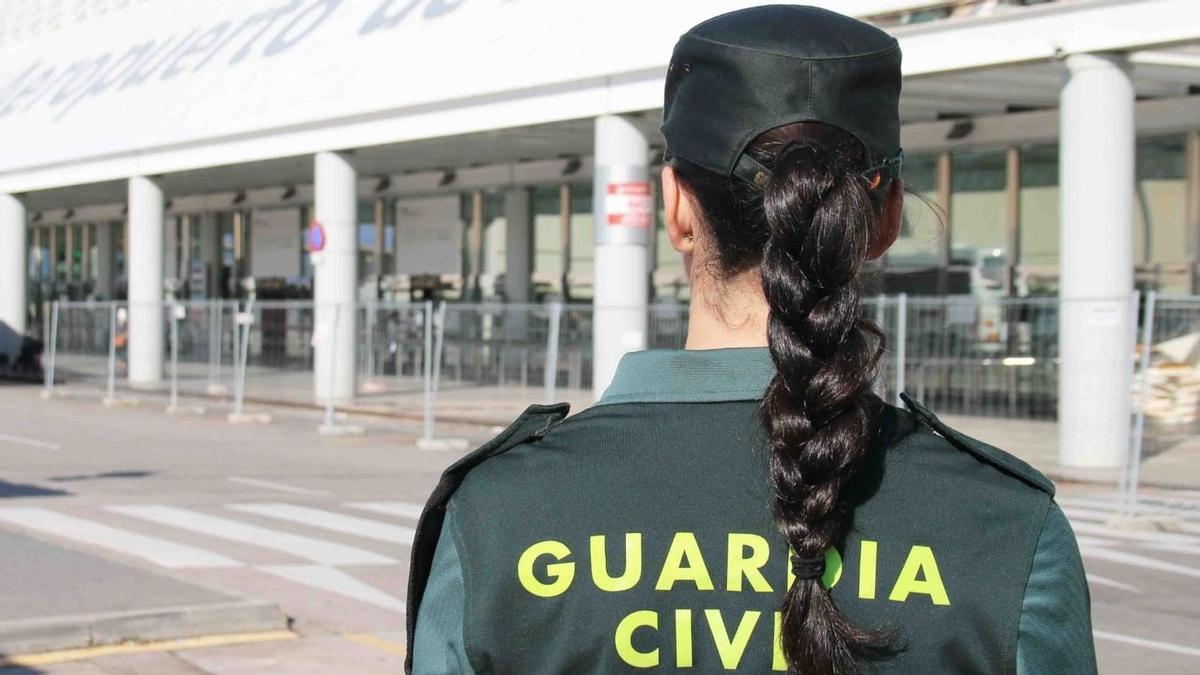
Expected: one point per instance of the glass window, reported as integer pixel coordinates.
(1160, 206)
(1039, 210)
(918, 240)
(495, 236)
(367, 265)
(60, 252)
(75, 260)
(547, 239)
(978, 206)
(1039, 224)
(583, 241)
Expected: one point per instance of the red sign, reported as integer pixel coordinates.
(316, 237)
(630, 204)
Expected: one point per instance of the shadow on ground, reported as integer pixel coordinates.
(9, 490)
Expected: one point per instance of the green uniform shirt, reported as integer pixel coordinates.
(1054, 631)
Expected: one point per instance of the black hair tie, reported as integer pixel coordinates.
(808, 568)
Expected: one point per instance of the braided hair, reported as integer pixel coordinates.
(809, 232)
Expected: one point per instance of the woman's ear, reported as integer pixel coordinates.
(678, 213)
(889, 222)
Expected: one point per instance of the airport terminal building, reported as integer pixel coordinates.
(507, 151)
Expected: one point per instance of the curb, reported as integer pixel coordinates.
(28, 636)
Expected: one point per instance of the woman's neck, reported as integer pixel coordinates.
(730, 313)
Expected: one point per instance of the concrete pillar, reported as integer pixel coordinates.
(12, 275)
(1095, 336)
(145, 270)
(518, 241)
(623, 207)
(335, 276)
(210, 254)
(104, 261)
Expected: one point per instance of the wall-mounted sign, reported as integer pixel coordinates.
(275, 243)
(629, 204)
(429, 236)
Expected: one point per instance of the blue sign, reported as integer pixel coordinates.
(316, 237)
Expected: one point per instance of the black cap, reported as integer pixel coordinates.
(740, 74)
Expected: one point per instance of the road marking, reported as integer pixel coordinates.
(378, 643)
(328, 520)
(159, 551)
(336, 581)
(49, 658)
(1105, 581)
(1173, 505)
(1150, 644)
(1168, 538)
(402, 509)
(31, 442)
(275, 486)
(1100, 553)
(316, 550)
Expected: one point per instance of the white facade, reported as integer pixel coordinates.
(339, 108)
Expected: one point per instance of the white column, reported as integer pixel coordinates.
(1096, 167)
(12, 274)
(335, 276)
(518, 242)
(104, 261)
(145, 266)
(624, 211)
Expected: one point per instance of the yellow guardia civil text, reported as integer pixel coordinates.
(547, 569)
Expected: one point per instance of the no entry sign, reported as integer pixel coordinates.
(316, 237)
(630, 204)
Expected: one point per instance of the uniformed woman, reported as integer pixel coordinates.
(747, 503)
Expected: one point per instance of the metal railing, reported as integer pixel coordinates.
(989, 361)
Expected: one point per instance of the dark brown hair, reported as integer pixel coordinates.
(809, 232)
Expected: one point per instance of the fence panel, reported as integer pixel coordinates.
(279, 350)
(205, 349)
(986, 357)
(391, 352)
(88, 340)
(1167, 391)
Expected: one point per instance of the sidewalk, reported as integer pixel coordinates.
(1169, 459)
(52, 598)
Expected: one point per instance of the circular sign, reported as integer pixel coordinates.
(316, 237)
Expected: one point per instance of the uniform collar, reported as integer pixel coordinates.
(691, 376)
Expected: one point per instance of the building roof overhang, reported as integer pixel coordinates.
(411, 99)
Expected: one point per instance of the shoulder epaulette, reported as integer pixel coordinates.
(988, 453)
(530, 426)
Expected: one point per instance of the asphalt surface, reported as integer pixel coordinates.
(321, 525)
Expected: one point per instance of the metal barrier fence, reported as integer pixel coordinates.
(977, 358)
(962, 355)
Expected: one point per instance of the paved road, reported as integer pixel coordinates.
(321, 526)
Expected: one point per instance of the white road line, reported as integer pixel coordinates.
(316, 550)
(1101, 553)
(1103, 515)
(1097, 541)
(275, 486)
(329, 520)
(1112, 583)
(402, 509)
(1150, 644)
(336, 581)
(1134, 535)
(1166, 505)
(159, 551)
(31, 442)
